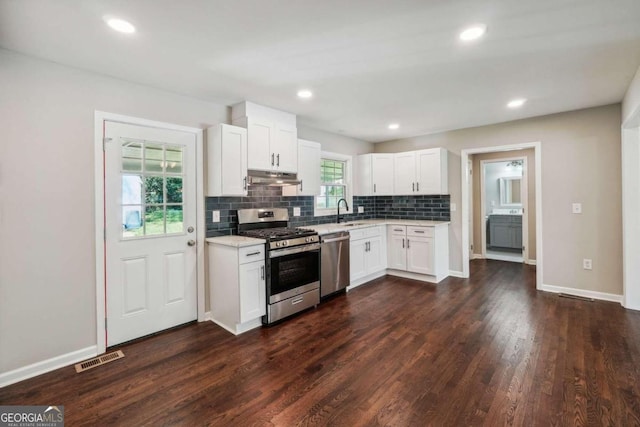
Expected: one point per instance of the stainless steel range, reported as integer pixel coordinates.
(292, 261)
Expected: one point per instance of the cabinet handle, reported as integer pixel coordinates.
(245, 182)
(297, 300)
(408, 247)
(300, 185)
(374, 188)
(419, 231)
(417, 186)
(397, 229)
(402, 243)
(262, 272)
(254, 253)
(278, 162)
(272, 159)
(413, 186)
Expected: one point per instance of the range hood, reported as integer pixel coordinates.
(274, 179)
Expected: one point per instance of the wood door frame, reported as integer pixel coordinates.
(466, 182)
(630, 207)
(99, 181)
(524, 194)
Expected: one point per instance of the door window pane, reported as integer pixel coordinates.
(174, 159)
(153, 190)
(132, 156)
(131, 189)
(154, 220)
(153, 158)
(132, 221)
(174, 189)
(174, 219)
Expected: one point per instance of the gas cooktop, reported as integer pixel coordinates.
(278, 233)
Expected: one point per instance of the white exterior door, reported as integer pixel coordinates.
(150, 215)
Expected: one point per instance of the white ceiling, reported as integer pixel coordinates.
(368, 62)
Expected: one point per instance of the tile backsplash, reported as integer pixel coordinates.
(389, 207)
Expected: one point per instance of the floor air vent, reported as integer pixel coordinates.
(576, 297)
(100, 360)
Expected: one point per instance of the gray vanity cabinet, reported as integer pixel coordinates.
(505, 231)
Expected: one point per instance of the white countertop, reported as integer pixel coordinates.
(235, 241)
(334, 227)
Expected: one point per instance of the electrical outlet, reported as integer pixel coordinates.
(587, 264)
(577, 208)
(360, 209)
(453, 207)
(215, 216)
(296, 211)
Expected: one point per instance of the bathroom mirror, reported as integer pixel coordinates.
(510, 191)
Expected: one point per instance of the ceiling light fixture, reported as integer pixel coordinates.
(120, 25)
(305, 93)
(516, 103)
(394, 126)
(473, 33)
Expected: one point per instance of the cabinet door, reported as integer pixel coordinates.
(404, 176)
(517, 236)
(252, 291)
(428, 172)
(501, 234)
(260, 135)
(309, 168)
(357, 259)
(397, 253)
(420, 255)
(285, 148)
(375, 256)
(382, 174)
(234, 161)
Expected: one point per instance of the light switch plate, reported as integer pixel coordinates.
(215, 216)
(577, 208)
(587, 264)
(453, 207)
(360, 209)
(296, 211)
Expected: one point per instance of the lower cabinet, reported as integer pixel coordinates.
(237, 286)
(420, 250)
(505, 231)
(367, 253)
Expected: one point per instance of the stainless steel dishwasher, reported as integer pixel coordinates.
(334, 262)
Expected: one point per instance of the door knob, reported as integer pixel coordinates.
(191, 242)
(190, 230)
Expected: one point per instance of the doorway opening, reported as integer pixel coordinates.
(503, 208)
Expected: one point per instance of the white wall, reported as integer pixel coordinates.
(631, 100)
(581, 162)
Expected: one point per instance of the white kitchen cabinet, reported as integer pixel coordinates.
(368, 254)
(421, 172)
(420, 250)
(375, 175)
(226, 161)
(308, 170)
(397, 247)
(237, 286)
(272, 137)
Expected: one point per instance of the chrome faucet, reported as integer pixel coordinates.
(346, 205)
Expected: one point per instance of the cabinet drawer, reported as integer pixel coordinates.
(420, 231)
(362, 233)
(398, 230)
(251, 254)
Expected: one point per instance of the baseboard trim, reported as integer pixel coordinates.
(39, 368)
(476, 256)
(207, 316)
(366, 279)
(459, 274)
(603, 296)
(531, 262)
(415, 276)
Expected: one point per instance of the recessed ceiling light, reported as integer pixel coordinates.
(516, 103)
(394, 126)
(473, 33)
(305, 93)
(120, 25)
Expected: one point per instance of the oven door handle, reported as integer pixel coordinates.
(295, 250)
(337, 239)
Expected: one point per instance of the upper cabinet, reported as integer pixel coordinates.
(226, 161)
(421, 172)
(272, 137)
(308, 170)
(375, 175)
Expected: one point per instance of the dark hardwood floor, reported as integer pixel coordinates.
(485, 351)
